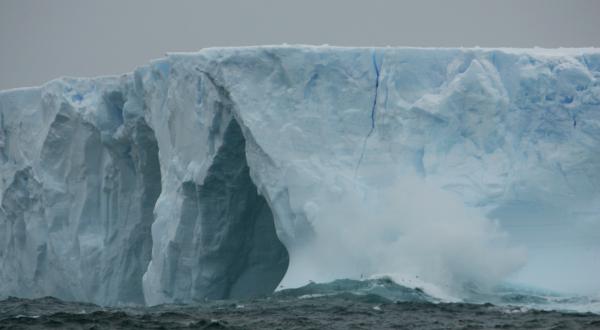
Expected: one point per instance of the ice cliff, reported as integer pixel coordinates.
(221, 173)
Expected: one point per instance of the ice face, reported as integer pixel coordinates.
(227, 172)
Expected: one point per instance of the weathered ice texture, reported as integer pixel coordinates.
(217, 174)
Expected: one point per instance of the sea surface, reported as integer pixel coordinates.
(342, 304)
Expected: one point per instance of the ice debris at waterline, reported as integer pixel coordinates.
(229, 172)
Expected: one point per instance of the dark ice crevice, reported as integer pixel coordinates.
(377, 69)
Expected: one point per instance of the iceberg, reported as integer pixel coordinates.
(230, 172)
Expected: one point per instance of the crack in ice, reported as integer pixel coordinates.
(373, 110)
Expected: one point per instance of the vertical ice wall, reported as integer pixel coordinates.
(77, 212)
(203, 175)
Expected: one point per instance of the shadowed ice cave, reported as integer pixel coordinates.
(227, 230)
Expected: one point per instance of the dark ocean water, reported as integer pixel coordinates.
(342, 304)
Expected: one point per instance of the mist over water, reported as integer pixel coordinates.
(423, 236)
(563, 247)
(410, 229)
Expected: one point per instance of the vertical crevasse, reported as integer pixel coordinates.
(377, 69)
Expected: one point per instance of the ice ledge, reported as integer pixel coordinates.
(561, 51)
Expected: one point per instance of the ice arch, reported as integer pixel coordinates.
(225, 245)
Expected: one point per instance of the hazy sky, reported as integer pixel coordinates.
(44, 39)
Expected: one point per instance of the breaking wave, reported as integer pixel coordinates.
(513, 297)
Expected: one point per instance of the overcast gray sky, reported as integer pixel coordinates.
(43, 39)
